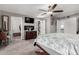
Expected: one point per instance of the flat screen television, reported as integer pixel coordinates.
(29, 20)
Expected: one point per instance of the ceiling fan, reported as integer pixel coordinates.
(50, 10)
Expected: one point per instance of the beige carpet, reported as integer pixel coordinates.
(19, 47)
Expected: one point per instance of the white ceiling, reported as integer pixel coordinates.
(24, 9)
(33, 9)
(69, 9)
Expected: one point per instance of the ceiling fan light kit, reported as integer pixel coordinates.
(49, 13)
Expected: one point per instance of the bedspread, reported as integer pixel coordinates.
(65, 44)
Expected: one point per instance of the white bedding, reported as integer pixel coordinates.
(66, 44)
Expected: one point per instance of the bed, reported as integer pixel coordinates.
(58, 43)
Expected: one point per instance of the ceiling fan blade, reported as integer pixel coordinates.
(58, 11)
(53, 7)
(43, 10)
(43, 13)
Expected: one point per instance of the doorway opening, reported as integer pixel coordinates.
(16, 23)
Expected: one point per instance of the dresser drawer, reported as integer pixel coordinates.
(30, 35)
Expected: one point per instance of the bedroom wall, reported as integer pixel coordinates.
(16, 15)
(49, 28)
(70, 25)
(9, 14)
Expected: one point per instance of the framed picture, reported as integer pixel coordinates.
(5, 23)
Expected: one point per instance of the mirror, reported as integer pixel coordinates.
(5, 23)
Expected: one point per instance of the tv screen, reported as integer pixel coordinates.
(29, 20)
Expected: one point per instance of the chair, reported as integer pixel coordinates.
(3, 38)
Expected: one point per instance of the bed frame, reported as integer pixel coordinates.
(46, 53)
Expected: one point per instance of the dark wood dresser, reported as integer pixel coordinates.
(30, 35)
